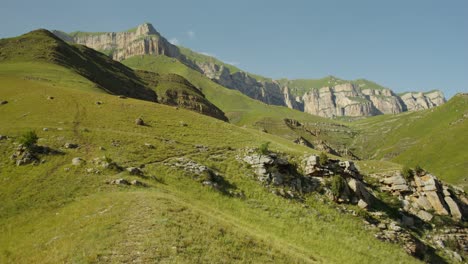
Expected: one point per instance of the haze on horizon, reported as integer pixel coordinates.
(418, 45)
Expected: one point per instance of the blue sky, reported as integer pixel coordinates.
(404, 45)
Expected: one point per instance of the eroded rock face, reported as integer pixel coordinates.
(424, 194)
(415, 101)
(143, 40)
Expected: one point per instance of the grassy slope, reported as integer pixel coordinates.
(76, 217)
(240, 109)
(43, 46)
(428, 138)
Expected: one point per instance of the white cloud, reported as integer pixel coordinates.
(191, 34)
(174, 41)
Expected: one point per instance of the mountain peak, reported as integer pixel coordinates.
(145, 29)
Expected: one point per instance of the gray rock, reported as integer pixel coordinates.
(362, 204)
(69, 145)
(77, 161)
(45, 129)
(425, 216)
(138, 183)
(120, 182)
(394, 227)
(454, 209)
(139, 122)
(148, 145)
(134, 171)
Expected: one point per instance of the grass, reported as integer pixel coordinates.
(175, 219)
(430, 138)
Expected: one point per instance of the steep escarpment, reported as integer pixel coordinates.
(327, 97)
(141, 40)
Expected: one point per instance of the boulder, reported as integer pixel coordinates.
(138, 183)
(421, 202)
(425, 216)
(139, 122)
(362, 204)
(134, 171)
(26, 158)
(360, 190)
(70, 145)
(312, 165)
(120, 182)
(77, 161)
(454, 209)
(426, 183)
(436, 202)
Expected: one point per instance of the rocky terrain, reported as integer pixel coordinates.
(344, 99)
(421, 197)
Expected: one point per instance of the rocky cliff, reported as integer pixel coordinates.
(141, 40)
(415, 101)
(346, 98)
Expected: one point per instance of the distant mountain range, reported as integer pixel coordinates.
(327, 97)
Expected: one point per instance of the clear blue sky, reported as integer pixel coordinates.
(401, 44)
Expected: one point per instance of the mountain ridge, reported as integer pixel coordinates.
(357, 98)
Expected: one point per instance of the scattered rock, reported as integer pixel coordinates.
(77, 161)
(120, 182)
(139, 122)
(362, 204)
(69, 145)
(3, 102)
(122, 97)
(99, 103)
(102, 148)
(148, 145)
(2, 137)
(134, 171)
(181, 123)
(50, 98)
(45, 129)
(138, 183)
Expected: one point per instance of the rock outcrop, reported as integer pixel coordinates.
(425, 195)
(415, 101)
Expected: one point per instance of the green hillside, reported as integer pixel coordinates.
(41, 55)
(175, 218)
(431, 138)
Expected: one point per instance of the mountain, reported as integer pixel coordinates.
(78, 171)
(104, 73)
(328, 97)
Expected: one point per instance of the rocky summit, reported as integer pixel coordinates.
(348, 98)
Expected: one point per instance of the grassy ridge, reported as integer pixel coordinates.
(430, 138)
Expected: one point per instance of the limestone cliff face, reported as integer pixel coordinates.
(121, 45)
(415, 101)
(341, 100)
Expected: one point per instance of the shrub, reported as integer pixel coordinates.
(29, 139)
(407, 173)
(337, 186)
(323, 159)
(418, 170)
(263, 149)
